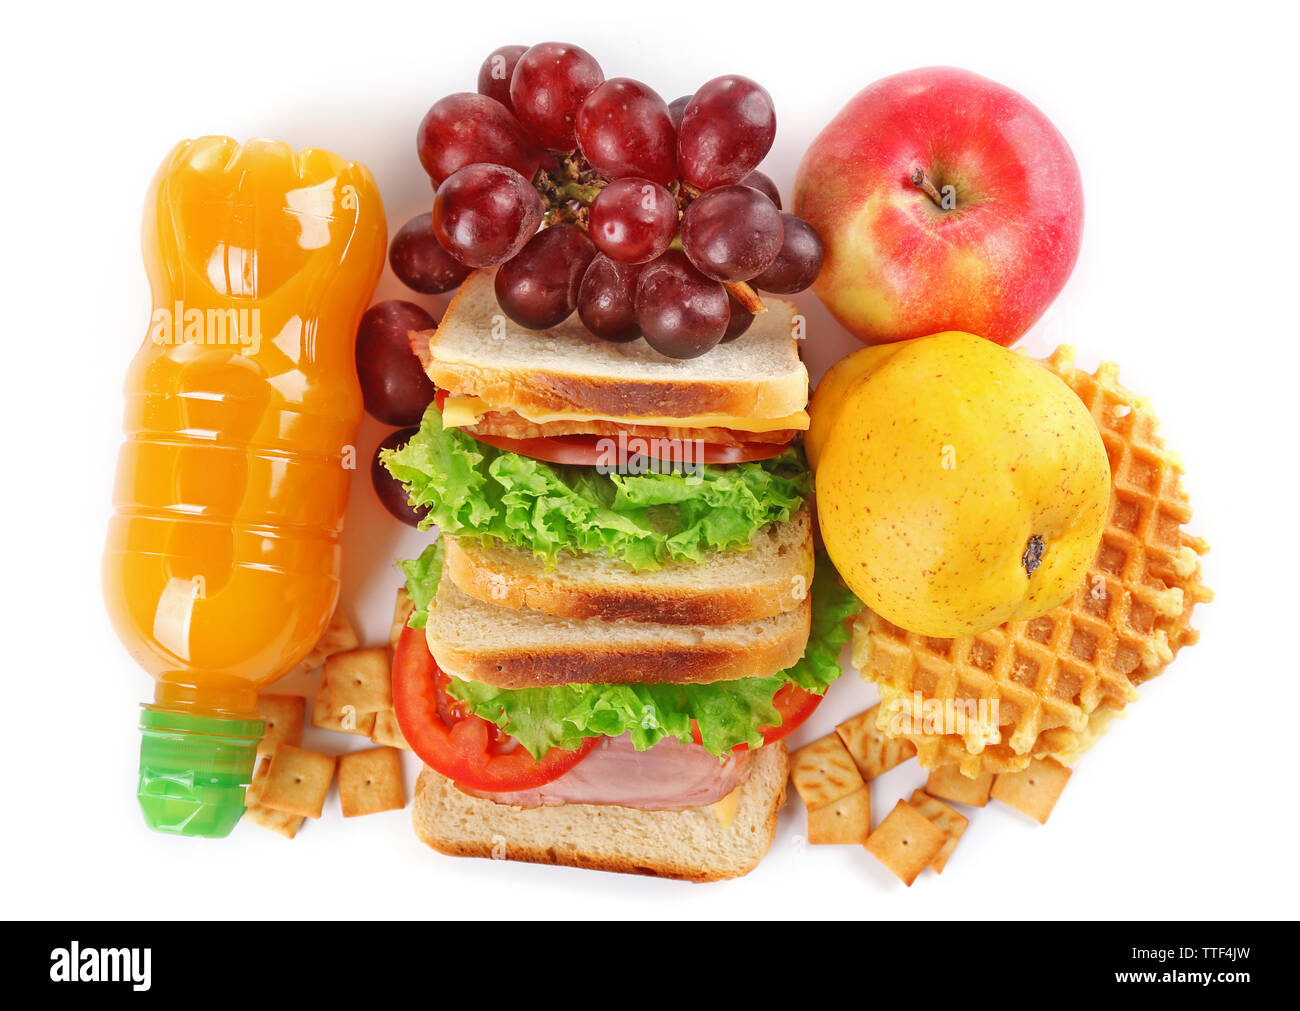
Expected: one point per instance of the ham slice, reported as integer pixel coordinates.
(668, 777)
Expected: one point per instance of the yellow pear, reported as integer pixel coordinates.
(828, 396)
(959, 484)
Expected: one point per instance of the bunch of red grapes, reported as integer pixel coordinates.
(647, 218)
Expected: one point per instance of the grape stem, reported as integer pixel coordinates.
(746, 296)
(583, 193)
(569, 190)
(921, 179)
(567, 213)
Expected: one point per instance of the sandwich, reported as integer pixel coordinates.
(622, 615)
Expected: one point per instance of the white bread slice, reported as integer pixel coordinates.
(773, 576)
(694, 844)
(510, 648)
(478, 351)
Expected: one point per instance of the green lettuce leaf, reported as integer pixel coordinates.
(477, 491)
(422, 577)
(727, 712)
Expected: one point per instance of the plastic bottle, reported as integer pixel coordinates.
(242, 406)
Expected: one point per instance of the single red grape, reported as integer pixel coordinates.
(624, 130)
(681, 313)
(757, 180)
(483, 214)
(538, 289)
(739, 321)
(549, 85)
(675, 109)
(420, 262)
(633, 220)
(797, 264)
(392, 495)
(465, 128)
(393, 385)
(732, 233)
(495, 73)
(726, 130)
(607, 299)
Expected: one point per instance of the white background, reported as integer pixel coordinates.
(1184, 125)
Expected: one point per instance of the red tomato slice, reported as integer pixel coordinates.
(795, 706)
(453, 741)
(589, 450)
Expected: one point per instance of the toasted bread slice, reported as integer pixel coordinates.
(697, 844)
(478, 351)
(770, 578)
(510, 648)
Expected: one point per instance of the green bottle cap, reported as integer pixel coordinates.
(193, 771)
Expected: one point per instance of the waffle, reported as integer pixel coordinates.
(1061, 678)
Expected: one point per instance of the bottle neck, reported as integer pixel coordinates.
(236, 701)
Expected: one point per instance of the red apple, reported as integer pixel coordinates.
(946, 201)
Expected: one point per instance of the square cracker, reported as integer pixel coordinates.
(284, 716)
(341, 719)
(874, 751)
(268, 817)
(824, 772)
(945, 819)
(298, 781)
(1032, 791)
(905, 842)
(847, 820)
(402, 611)
(371, 781)
(339, 635)
(362, 679)
(948, 782)
(387, 732)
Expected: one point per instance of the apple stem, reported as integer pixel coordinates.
(921, 179)
(746, 296)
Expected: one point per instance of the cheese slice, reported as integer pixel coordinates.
(725, 809)
(459, 411)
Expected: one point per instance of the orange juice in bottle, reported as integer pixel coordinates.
(242, 406)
